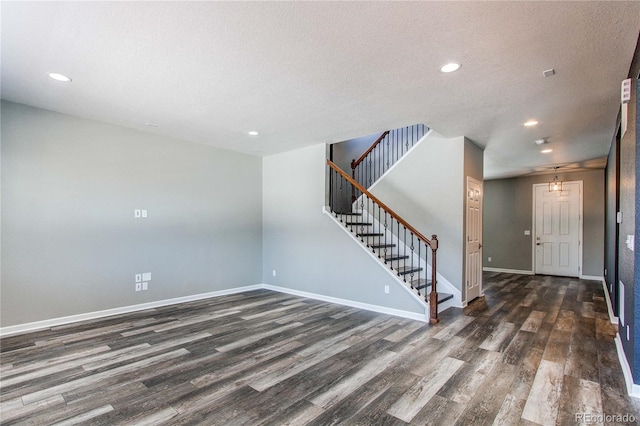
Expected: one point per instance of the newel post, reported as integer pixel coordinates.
(433, 297)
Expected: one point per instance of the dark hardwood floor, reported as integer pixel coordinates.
(535, 350)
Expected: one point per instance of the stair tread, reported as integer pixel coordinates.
(408, 269)
(395, 257)
(348, 213)
(421, 283)
(359, 223)
(443, 297)
(370, 234)
(381, 245)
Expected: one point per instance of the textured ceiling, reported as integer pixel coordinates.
(304, 73)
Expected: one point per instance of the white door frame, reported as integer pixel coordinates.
(466, 236)
(580, 226)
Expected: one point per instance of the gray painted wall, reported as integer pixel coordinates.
(426, 189)
(308, 251)
(345, 152)
(70, 242)
(508, 212)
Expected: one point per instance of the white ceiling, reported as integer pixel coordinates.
(304, 73)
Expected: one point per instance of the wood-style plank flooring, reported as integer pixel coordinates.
(534, 350)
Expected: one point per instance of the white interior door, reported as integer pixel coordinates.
(473, 249)
(558, 229)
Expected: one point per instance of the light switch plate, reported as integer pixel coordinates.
(144, 213)
(619, 217)
(137, 213)
(146, 276)
(138, 286)
(527, 232)
(145, 285)
(138, 278)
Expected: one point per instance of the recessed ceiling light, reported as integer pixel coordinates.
(254, 133)
(59, 77)
(546, 151)
(450, 67)
(530, 123)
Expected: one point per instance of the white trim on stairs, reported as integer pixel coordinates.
(443, 283)
(351, 303)
(327, 210)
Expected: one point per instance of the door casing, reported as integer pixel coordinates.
(580, 225)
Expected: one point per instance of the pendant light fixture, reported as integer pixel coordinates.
(556, 184)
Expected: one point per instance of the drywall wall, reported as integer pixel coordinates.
(306, 248)
(508, 212)
(345, 152)
(473, 168)
(70, 242)
(426, 189)
(628, 261)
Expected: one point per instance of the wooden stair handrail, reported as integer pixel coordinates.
(355, 163)
(432, 243)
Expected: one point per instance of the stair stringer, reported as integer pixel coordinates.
(442, 283)
(327, 210)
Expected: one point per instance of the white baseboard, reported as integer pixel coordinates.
(360, 305)
(632, 389)
(507, 271)
(612, 317)
(53, 322)
(591, 277)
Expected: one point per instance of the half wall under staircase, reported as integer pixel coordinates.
(404, 251)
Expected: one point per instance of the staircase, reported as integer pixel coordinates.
(408, 264)
(408, 254)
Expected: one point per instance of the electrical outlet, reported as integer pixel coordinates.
(138, 278)
(138, 286)
(145, 286)
(144, 213)
(489, 259)
(274, 272)
(386, 289)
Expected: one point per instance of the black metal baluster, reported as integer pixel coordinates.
(384, 230)
(404, 276)
(411, 275)
(419, 263)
